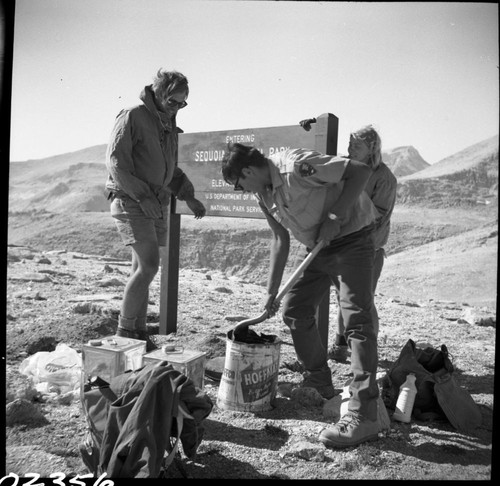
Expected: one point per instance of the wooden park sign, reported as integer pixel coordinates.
(200, 156)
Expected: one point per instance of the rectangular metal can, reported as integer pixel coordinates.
(189, 362)
(111, 356)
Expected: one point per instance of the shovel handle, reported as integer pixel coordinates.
(288, 285)
(299, 270)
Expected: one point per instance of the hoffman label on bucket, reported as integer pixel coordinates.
(256, 384)
(250, 377)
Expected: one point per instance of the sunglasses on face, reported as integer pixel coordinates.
(173, 103)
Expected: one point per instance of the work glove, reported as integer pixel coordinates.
(306, 124)
(329, 230)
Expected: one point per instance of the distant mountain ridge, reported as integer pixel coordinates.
(464, 160)
(71, 182)
(467, 178)
(404, 160)
(74, 182)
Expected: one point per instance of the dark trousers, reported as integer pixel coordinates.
(378, 264)
(348, 263)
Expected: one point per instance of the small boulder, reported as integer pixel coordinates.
(22, 411)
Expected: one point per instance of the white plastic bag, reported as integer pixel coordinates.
(60, 368)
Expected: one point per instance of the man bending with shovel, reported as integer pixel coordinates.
(320, 200)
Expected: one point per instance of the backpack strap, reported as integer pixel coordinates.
(95, 389)
(457, 404)
(180, 412)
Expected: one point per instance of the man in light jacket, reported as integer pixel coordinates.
(141, 160)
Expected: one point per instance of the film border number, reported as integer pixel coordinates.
(58, 478)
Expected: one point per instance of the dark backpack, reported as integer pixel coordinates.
(438, 394)
(136, 421)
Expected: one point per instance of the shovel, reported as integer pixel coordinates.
(242, 326)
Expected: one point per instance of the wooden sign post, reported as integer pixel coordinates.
(200, 156)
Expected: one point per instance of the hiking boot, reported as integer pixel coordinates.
(338, 353)
(136, 334)
(326, 391)
(352, 429)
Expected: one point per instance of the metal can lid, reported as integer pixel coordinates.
(169, 348)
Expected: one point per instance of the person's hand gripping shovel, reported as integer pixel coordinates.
(240, 331)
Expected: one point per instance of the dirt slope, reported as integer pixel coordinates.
(439, 292)
(72, 304)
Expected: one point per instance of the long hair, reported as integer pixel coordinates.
(370, 136)
(166, 82)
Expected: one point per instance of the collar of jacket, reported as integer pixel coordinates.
(276, 179)
(147, 97)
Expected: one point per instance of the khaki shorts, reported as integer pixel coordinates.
(134, 226)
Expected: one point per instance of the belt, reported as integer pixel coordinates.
(351, 236)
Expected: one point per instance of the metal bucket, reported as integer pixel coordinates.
(250, 378)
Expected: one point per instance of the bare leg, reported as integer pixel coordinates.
(145, 264)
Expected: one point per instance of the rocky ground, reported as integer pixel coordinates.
(59, 296)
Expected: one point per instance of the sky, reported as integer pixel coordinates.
(423, 73)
